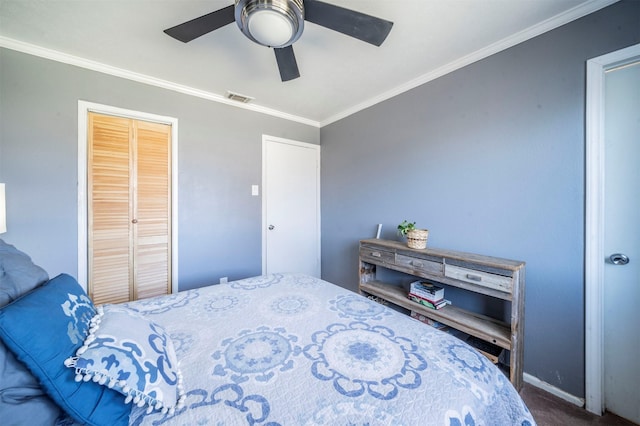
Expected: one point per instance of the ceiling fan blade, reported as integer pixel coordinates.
(197, 27)
(287, 63)
(346, 21)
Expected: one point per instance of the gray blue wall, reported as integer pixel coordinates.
(491, 159)
(219, 158)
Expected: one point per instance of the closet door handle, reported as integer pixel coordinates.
(134, 221)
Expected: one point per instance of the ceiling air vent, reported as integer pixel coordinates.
(238, 97)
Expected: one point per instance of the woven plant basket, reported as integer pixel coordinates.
(417, 238)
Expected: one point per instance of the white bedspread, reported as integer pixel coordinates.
(296, 350)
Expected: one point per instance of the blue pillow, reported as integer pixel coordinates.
(133, 355)
(46, 326)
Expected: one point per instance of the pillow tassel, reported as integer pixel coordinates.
(180, 403)
(71, 361)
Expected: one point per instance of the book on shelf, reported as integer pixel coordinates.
(427, 290)
(428, 298)
(429, 304)
(426, 320)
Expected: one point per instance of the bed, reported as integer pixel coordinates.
(280, 349)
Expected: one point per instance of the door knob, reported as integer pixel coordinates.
(271, 227)
(619, 259)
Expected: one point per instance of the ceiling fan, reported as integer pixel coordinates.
(279, 23)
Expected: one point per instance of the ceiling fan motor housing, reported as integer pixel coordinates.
(271, 23)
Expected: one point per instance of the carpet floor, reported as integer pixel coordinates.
(549, 410)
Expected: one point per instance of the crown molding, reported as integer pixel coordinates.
(77, 61)
(529, 33)
(524, 35)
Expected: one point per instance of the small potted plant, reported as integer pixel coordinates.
(416, 238)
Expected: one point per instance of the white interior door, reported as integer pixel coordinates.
(291, 206)
(622, 242)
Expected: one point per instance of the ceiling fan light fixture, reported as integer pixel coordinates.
(271, 23)
(279, 23)
(270, 28)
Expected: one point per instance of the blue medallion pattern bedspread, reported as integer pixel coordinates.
(296, 350)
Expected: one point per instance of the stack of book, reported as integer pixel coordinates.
(428, 294)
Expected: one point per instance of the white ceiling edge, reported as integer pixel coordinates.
(524, 35)
(533, 31)
(57, 56)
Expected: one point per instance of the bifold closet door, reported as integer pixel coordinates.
(129, 198)
(152, 210)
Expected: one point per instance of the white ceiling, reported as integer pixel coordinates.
(339, 75)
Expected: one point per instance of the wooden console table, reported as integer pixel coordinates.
(484, 275)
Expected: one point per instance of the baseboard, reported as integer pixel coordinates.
(534, 381)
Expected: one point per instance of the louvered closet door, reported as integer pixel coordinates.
(129, 209)
(109, 183)
(152, 202)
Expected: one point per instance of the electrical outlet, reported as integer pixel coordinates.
(224, 280)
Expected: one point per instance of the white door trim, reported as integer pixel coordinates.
(84, 108)
(266, 139)
(594, 224)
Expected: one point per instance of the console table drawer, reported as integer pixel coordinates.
(419, 265)
(374, 255)
(485, 279)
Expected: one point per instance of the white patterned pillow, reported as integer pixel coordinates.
(135, 356)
